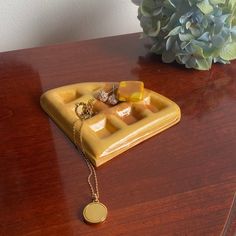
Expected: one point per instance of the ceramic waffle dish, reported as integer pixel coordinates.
(113, 129)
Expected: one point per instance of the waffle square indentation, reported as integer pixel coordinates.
(104, 128)
(129, 114)
(69, 95)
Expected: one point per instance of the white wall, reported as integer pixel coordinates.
(30, 23)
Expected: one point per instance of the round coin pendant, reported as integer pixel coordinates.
(95, 212)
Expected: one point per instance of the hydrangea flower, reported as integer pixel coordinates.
(195, 33)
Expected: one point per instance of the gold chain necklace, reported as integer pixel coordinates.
(94, 212)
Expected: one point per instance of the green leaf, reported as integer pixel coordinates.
(205, 7)
(150, 27)
(233, 33)
(198, 51)
(147, 7)
(214, 2)
(204, 64)
(228, 52)
(204, 37)
(218, 41)
(170, 42)
(231, 4)
(172, 3)
(196, 32)
(185, 37)
(174, 31)
(220, 60)
(191, 63)
(156, 32)
(188, 24)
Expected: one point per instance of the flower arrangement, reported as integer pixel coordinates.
(195, 33)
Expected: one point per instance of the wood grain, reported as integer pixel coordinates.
(180, 182)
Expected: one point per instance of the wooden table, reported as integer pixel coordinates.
(180, 182)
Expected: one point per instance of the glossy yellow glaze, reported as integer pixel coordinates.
(114, 129)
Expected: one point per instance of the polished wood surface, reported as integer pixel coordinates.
(180, 182)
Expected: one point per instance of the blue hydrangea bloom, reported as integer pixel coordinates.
(195, 33)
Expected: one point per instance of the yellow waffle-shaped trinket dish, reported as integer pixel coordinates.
(113, 129)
